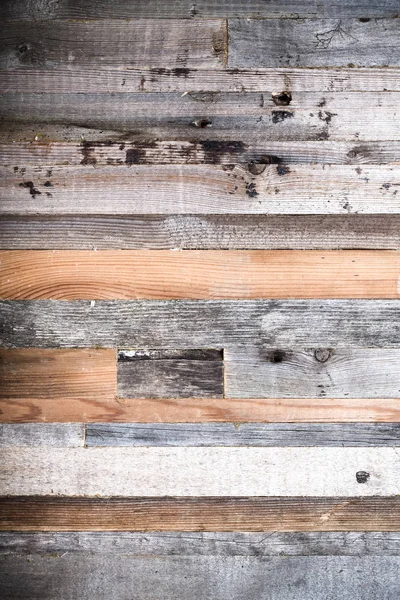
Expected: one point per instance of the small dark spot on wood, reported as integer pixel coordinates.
(49, 195)
(251, 190)
(277, 356)
(48, 184)
(322, 354)
(282, 170)
(358, 170)
(15, 169)
(362, 476)
(122, 146)
(23, 48)
(123, 82)
(215, 149)
(49, 173)
(32, 190)
(256, 168)
(282, 98)
(278, 116)
(202, 123)
(181, 72)
(142, 82)
(326, 116)
(323, 135)
(135, 156)
(364, 20)
(322, 103)
(87, 149)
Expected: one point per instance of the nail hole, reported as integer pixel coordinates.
(362, 476)
(282, 99)
(23, 48)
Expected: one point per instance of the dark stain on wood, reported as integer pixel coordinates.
(278, 116)
(30, 186)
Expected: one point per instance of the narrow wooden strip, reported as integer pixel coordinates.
(42, 434)
(199, 189)
(273, 324)
(124, 43)
(312, 373)
(200, 355)
(200, 514)
(185, 9)
(196, 471)
(313, 43)
(71, 79)
(242, 434)
(204, 543)
(57, 374)
(202, 232)
(234, 274)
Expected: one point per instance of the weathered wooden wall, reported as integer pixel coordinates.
(199, 300)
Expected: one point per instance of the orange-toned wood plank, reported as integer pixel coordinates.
(200, 514)
(212, 274)
(32, 376)
(97, 407)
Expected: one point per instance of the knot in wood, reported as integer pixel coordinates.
(322, 354)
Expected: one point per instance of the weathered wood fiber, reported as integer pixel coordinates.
(23, 154)
(136, 43)
(348, 543)
(313, 43)
(277, 514)
(193, 471)
(313, 373)
(200, 410)
(201, 232)
(197, 274)
(42, 434)
(57, 374)
(274, 324)
(221, 578)
(243, 434)
(71, 79)
(199, 189)
(318, 116)
(185, 9)
(176, 374)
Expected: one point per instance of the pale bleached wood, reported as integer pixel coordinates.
(241, 434)
(202, 232)
(125, 43)
(199, 189)
(195, 472)
(42, 434)
(57, 374)
(273, 514)
(273, 324)
(71, 79)
(361, 373)
(196, 274)
(347, 543)
(318, 116)
(313, 43)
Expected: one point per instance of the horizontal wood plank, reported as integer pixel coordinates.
(192, 471)
(200, 514)
(128, 43)
(42, 434)
(241, 434)
(191, 274)
(313, 43)
(87, 375)
(273, 324)
(199, 189)
(201, 232)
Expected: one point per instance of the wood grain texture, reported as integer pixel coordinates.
(69, 79)
(313, 43)
(243, 434)
(200, 514)
(201, 232)
(137, 43)
(42, 434)
(199, 189)
(247, 117)
(60, 375)
(204, 543)
(186, 9)
(191, 274)
(322, 372)
(273, 324)
(192, 471)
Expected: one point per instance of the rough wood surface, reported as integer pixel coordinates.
(199, 189)
(313, 43)
(187, 9)
(273, 324)
(240, 117)
(192, 471)
(197, 274)
(322, 372)
(127, 43)
(42, 434)
(348, 543)
(201, 232)
(57, 374)
(277, 514)
(241, 434)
